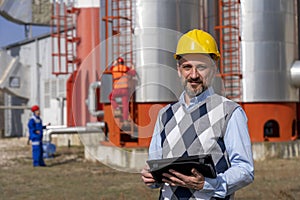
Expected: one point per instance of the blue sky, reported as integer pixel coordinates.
(11, 32)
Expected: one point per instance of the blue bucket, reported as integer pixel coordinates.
(48, 150)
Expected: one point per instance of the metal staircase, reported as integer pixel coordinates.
(229, 32)
(119, 16)
(64, 39)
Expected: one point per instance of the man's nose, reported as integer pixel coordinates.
(194, 73)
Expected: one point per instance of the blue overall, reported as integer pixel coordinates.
(35, 124)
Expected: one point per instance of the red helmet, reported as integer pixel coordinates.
(35, 108)
(120, 60)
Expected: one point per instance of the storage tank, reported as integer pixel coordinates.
(156, 37)
(86, 15)
(158, 26)
(269, 47)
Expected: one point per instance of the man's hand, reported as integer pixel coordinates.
(147, 176)
(194, 181)
(37, 132)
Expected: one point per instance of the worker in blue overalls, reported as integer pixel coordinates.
(36, 127)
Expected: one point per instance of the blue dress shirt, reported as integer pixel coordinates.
(238, 147)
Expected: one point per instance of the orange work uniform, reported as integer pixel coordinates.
(121, 75)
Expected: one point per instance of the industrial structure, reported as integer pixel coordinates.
(66, 72)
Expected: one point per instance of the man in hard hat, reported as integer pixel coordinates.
(201, 122)
(35, 126)
(122, 75)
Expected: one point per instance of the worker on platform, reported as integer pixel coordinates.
(35, 126)
(122, 75)
(201, 122)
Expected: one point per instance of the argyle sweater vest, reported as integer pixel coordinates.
(197, 131)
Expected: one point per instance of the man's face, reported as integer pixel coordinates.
(37, 112)
(196, 72)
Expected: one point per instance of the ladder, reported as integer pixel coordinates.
(63, 38)
(229, 32)
(122, 30)
(119, 15)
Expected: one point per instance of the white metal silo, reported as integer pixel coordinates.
(269, 47)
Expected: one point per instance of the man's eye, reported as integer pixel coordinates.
(187, 67)
(201, 67)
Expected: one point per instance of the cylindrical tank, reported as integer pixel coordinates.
(269, 42)
(269, 47)
(87, 30)
(158, 25)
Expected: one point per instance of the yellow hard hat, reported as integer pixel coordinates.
(197, 41)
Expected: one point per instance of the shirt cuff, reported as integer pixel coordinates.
(216, 187)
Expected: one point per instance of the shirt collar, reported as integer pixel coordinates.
(35, 116)
(197, 99)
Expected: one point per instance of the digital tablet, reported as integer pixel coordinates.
(202, 163)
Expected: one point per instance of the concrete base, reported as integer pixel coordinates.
(127, 160)
(123, 159)
(269, 150)
(66, 140)
(134, 159)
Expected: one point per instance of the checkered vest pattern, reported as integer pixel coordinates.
(197, 131)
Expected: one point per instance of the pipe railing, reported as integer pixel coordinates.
(61, 130)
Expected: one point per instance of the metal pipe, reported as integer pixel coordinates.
(14, 107)
(38, 66)
(295, 74)
(91, 100)
(61, 101)
(61, 130)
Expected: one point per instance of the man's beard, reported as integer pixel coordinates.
(191, 92)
